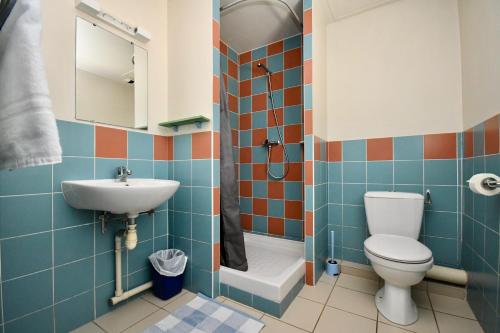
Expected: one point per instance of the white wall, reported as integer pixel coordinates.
(480, 39)
(190, 65)
(58, 43)
(395, 70)
(321, 17)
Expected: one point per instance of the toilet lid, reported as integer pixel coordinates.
(398, 248)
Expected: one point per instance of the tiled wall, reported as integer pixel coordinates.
(480, 246)
(57, 266)
(267, 206)
(408, 164)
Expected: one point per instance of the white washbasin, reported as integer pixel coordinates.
(110, 195)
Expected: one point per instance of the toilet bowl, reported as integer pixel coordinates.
(394, 221)
(402, 262)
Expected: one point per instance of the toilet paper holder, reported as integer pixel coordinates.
(491, 183)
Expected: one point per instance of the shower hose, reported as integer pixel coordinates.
(280, 138)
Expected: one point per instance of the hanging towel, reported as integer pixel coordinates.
(28, 131)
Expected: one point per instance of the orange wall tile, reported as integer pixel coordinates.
(246, 188)
(245, 121)
(245, 155)
(292, 58)
(259, 171)
(258, 71)
(216, 34)
(216, 90)
(260, 206)
(245, 88)
(110, 142)
(309, 273)
(308, 166)
(170, 142)
(308, 122)
(276, 226)
(245, 58)
(469, 143)
(216, 257)
(275, 190)
(295, 172)
(246, 221)
(334, 151)
(308, 71)
(307, 22)
(293, 133)
(258, 136)
(491, 136)
(201, 145)
(309, 223)
(440, 146)
(379, 149)
(259, 102)
(275, 48)
(270, 117)
(293, 210)
(293, 96)
(232, 69)
(216, 145)
(161, 147)
(216, 200)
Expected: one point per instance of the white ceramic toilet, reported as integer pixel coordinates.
(394, 221)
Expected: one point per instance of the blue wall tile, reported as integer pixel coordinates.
(202, 196)
(74, 312)
(275, 63)
(41, 321)
(292, 42)
(408, 172)
(76, 139)
(202, 173)
(27, 294)
(380, 172)
(440, 172)
(182, 172)
(16, 220)
(140, 146)
(141, 169)
(73, 244)
(354, 150)
(182, 147)
(73, 168)
(409, 147)
(73, 279)
(105, 168)
(202, 228)
(354, 172)
(25, 255)
(26, 181)
(292, 77)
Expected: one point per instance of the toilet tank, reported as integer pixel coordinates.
(394, 213)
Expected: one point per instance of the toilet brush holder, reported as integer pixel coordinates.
(332, 267)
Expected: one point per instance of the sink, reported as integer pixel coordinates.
(110, 195)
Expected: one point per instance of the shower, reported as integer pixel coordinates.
(269, 144)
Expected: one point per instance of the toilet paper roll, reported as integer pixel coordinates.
(477, 185)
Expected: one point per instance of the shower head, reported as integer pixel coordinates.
(261, 65)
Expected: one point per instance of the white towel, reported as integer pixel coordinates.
(28, 131)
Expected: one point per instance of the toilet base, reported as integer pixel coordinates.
(396, 304)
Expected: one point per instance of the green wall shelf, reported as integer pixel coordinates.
(174, 124)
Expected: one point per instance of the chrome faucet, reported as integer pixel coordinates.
(123, 173)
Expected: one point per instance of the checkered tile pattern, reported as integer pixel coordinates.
(203, 315)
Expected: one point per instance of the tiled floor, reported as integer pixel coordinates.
(344, 304)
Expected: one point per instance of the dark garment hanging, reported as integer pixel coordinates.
(232, 252)
(5, 9)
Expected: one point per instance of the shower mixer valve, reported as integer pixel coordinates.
(270, 143)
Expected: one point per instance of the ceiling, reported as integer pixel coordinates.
(255, 23)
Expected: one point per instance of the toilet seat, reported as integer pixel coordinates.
(398, 249)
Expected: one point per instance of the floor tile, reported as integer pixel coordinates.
(384, 328)
(151, 298)
(126, 315)
(353, 301)
(302, 313)
(357, 283)
(319, 293)
(180, 301)
(334, 320)
(147, 322)
(243, 308)
(89, 328)
(446, 290)
(452, 324)
(421, 298)
(451, 305)
(424, 324)
(325, 278)
(275, 326)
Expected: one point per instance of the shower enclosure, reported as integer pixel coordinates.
(262, 78)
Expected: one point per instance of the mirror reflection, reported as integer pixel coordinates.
(111, 78)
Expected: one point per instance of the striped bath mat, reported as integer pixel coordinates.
(204, 315)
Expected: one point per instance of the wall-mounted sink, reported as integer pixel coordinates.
(110, 195)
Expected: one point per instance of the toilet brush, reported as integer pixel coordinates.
(332, 267)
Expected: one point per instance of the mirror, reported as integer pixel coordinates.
(111, 78)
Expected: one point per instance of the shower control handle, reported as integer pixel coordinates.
(270, 143)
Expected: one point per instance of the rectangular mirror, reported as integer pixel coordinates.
(111, 78)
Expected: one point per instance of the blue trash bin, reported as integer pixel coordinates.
(168, 272)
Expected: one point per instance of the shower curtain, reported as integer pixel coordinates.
(232, 252)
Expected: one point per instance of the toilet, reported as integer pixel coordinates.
(394, 221)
